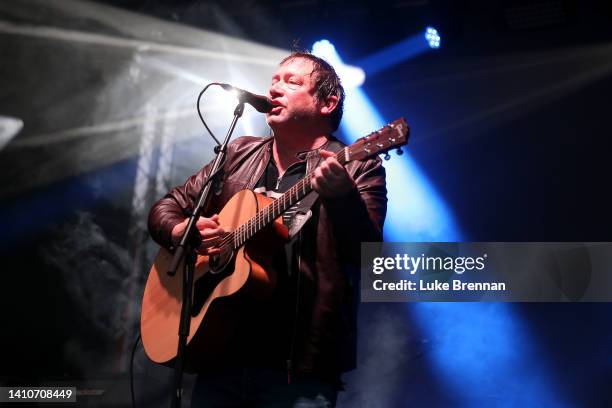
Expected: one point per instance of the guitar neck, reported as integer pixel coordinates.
(393, 135)
(274, 210)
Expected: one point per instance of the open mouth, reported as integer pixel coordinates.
(275, 110)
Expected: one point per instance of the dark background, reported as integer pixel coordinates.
(509, 123)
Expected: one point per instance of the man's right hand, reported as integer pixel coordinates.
(210, 231)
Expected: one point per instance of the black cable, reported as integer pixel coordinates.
(212, 176)
(209, 131)
(132, 370)
(200, 113)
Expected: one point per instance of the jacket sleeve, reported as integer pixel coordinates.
(359, 215)
(174, 207)
(180, 202)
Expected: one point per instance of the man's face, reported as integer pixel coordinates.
(293, 93)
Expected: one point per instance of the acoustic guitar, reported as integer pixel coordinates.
(241, 271)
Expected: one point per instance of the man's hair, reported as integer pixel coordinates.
(326, 83)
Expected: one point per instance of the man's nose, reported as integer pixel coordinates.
(275, 90)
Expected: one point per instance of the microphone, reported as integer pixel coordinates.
(259, 102)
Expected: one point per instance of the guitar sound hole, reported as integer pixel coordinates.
(218, 263)
(204, 286)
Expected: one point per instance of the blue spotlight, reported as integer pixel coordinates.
(326, 50)
(401, 51)
(432, 37)
(475, 347)
(351, 77)
(416, 212)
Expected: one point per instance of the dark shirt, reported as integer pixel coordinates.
(281, 306)
(273, 186)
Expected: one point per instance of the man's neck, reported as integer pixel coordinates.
(286, 147)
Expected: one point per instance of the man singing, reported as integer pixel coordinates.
(292, 346)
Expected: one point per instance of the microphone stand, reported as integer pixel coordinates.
(186, 249)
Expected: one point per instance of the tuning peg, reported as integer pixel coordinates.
(399, 151)
(387, 156)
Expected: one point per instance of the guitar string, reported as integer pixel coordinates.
(266, 215)
(269, 213)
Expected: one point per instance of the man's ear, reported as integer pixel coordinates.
(327, 106)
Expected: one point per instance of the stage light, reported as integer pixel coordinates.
(433, 37)
(228, 99)
(416, 212)
(326, 50)
(401, 51)
(217, 105)
(351, 76)
(9, 128)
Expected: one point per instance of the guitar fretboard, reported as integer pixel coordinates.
(274, 210)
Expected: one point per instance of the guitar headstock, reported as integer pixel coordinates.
(391, 136)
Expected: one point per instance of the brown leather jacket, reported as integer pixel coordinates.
(323, 308)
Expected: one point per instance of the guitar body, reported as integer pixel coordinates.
(219, 295)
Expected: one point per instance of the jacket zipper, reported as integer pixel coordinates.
(278, 181)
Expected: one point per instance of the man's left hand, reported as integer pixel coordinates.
(331, 178)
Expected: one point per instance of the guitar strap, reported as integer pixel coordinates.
(303, 213)
(303, 207)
